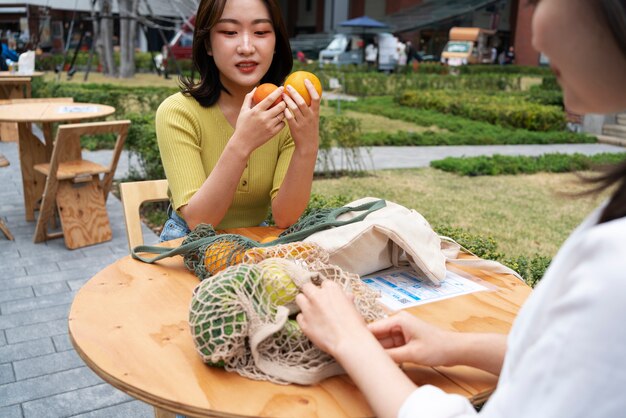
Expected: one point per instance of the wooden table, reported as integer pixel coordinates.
(14, 85)
(129, 324)
(31, 149)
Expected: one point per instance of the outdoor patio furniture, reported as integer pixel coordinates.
(74, 186)
(8, 131)
(35, 150)
(134, 194)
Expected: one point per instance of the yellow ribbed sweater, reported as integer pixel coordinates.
(191, 139)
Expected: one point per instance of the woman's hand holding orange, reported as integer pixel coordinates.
(258, 123)
(303, 119)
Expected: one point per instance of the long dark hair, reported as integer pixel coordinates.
(207, 91)
(615, 12)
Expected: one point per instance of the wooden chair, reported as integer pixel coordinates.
(8, 130)
(75, 186)
(3, 226)
(134, 194)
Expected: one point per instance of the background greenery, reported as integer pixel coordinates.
(505, 208)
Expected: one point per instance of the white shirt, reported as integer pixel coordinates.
(566, 353)
(370, 52)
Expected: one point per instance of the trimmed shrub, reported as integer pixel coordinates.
(452, 130)
(142, 143)
(531, 269)
(503, 110)
(124, 99)
(505, 164)
(344, 133)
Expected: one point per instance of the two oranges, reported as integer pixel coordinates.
(295, 80)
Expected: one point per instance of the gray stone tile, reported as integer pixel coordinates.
(13, 411)
(7, 249)
(46, 386)
(97, 250)
(75, 402)
(15, 294)
(51, 288)
(20, 351)
(6, 374)
(77, 263)
(38, 254)
(62, 342)
(36, 331)
(34, 316)
(78, 283)
(36, 303)
(47, 364)
(9, 272)
(3, 338)
(134, 409)
(43, 268)
(78, 273)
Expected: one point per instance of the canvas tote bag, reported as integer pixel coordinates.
(391, 236)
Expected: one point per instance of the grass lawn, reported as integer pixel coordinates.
(525, 214)
(140, 79)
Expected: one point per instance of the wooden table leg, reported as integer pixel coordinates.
(162, 413)
(32, 151)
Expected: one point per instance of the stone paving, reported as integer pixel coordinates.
(40, 373)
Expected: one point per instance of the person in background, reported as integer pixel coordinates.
(564, 356)
(494, 55)
(412, 56)
(509, 56)
(7, 54)
(371, 55)
(228, 160)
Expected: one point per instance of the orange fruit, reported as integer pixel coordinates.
(296, 80)
(221, 254)
(263, 91)
(269, 238)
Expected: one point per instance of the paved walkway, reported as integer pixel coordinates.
(40, 373)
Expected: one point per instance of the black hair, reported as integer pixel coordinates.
(615, 12)
(207, 91)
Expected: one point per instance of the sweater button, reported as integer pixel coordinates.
(244, 183)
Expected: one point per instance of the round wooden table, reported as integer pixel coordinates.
(34, 150)
(129, 323)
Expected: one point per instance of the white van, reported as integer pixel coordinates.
(349, 49)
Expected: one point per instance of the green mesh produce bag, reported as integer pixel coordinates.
(242, 319)
(207, 253)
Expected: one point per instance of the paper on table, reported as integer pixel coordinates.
(77, 109)
(402, 287)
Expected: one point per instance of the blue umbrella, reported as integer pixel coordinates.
(363, 22)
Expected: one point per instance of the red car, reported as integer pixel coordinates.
(180, 45)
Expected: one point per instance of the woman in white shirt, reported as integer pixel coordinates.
(566, 353)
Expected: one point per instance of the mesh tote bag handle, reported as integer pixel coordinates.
(329, 220)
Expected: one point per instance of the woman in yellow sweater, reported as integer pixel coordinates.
(227, 159)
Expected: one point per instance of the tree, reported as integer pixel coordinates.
(128, 32)
(105, 39)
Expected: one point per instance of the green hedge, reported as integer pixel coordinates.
(499, 109)
(453, 130)
(473, 136)
(506, 164)
(124, 99)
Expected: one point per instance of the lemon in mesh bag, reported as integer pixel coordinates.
(243, 319)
